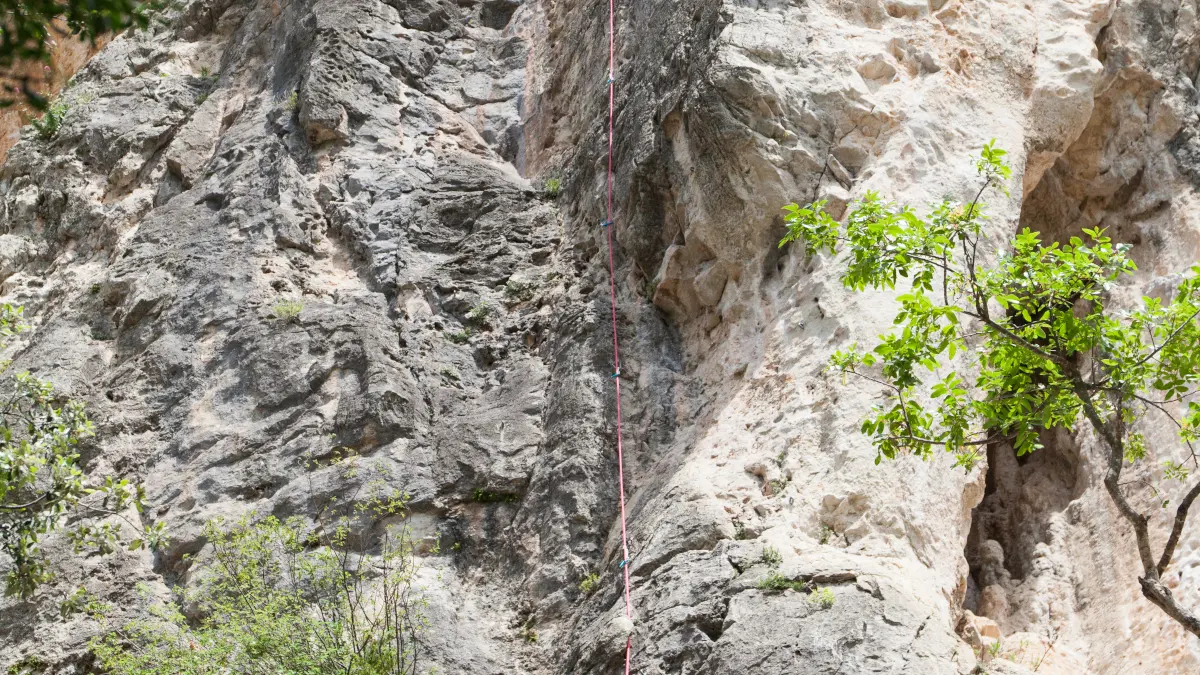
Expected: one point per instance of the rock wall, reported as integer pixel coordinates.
(382, 162)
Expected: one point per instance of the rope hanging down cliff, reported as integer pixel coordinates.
(612, 287)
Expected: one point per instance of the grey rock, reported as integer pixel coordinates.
(378, 160)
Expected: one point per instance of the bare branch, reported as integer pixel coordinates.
(1181, 515)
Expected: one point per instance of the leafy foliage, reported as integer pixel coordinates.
(81, 601)
(777, 581)
(771, 556)
(517, 290)
(552, 186)
(282, 597)
(822, 597)
(482, 496)
(589, 584)
(287, 310)
(479, 313)
(48, 124)
(31, 26)
(988, 354)
(42, 483)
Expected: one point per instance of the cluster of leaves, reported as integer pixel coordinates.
(528, 632)
(1049, 298)
(517, 290)
(478, 314)
(552, 186)
(81, 601)
(771, 556)
(50, 122)
(209, 81)
(818, 595)
(983, 355)
(42, 483)
(287, 310)
(282, 597)
(777, 581)
(29, 665)
(589, 584)
(459, 337)
(823, 597)
(30, 27)
(482, 496)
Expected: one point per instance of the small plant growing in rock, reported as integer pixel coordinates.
(552, 186)
(527, 632)
(479, 313)
(826, 534)
(775, 581)
(287, 310)
(822, 597)
(48, 125)
(778, 485)
(589, 584)
(482, 496)
(29, 665)
(519, 291)
(459, 337)
(992, 347)
(292, 102)
(771, 556)
(450, 374)
(80, 601)
(739, 529)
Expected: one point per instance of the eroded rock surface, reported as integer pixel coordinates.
(382, 163)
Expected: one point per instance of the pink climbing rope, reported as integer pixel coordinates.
(612, 288)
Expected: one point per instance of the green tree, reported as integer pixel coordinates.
(281, 597)
(995, 353)
(42, 483)
(30, 26)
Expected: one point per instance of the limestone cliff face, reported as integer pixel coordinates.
(382, 161)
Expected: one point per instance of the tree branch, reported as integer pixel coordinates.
(1181, 515)
(1112, 478)
(1022, 342)
(1169, 338)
